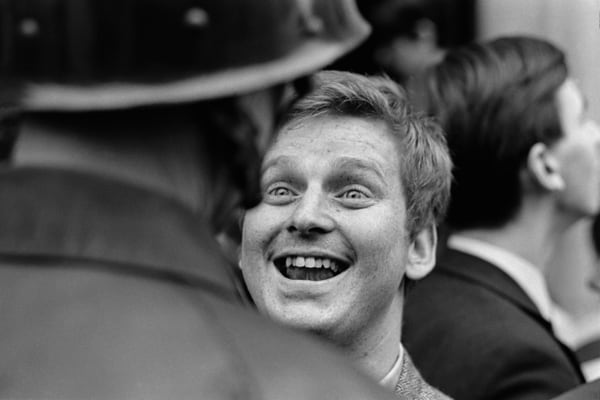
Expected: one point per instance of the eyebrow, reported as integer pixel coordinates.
(343, 163)
(346, 163)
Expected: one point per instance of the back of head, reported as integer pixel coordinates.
(495, 100)
(425, 164)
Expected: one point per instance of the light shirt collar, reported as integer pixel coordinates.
(524, 273)
(391, 379)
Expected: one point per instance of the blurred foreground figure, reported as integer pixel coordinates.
(352, 189)
(527, 166)
(142, 126)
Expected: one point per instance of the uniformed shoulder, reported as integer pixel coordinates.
(285, 361)
(91, 333)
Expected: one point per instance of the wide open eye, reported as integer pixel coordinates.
(279, 194)
(353, 194)
(279, 191)
(355, 197)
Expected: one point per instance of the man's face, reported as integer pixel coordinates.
(326, 249)
(578, 153)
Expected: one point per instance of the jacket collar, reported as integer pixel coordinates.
(53, 213)
(525, 274)
(484, 274)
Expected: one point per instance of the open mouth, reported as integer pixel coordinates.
(309, 268)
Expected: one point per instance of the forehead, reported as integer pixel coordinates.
(337, 136)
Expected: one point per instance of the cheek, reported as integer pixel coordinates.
(256, 228)
(255, 232)
(581, 173)
(380, 242)
(583, 164)
(382, 257)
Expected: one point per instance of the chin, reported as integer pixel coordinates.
(301, 320)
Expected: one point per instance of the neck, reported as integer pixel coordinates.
(377, 348)
(160, 154)
(532, 234)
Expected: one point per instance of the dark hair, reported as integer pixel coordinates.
(495, 100)
(425, 163)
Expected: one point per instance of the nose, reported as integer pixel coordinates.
(311, 215)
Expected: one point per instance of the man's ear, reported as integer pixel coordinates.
(421, 253)
(545, 168)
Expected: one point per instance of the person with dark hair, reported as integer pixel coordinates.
(526, 167)
(352, 189)
(142, 126)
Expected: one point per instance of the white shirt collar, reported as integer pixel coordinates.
(391, 379)
(524, 273)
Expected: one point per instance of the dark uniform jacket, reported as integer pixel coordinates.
(109, 291)
(474, 334)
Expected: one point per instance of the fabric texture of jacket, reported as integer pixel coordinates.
(411, 384)
(474, 334)
(111, 291)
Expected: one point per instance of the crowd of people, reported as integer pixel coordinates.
(213, 200)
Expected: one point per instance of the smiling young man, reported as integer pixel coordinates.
(352, 188)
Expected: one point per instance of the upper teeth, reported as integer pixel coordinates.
(311, 262)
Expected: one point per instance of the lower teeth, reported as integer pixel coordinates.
(308, 274)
